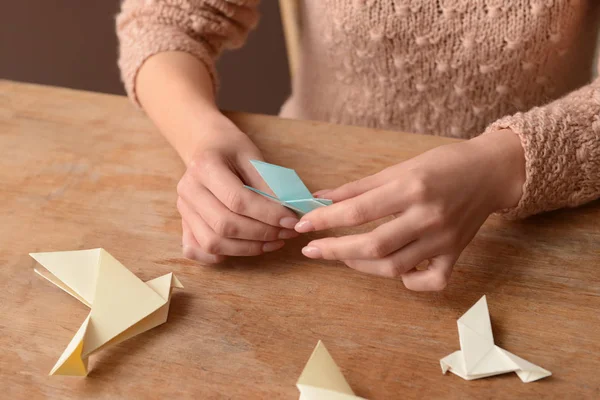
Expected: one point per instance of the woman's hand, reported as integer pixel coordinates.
(439, 199)
(219, 216)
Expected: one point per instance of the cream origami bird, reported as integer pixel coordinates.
(479, 357)
(122, 305)
(321, 378)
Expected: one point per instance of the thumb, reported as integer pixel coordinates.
(434, 278)
(249, 175)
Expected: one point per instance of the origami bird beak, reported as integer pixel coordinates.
(175, 282)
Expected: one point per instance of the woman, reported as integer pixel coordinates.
(515, 71)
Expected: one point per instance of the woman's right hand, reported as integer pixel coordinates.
(219, 216)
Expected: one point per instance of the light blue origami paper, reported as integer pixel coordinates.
(288, 187)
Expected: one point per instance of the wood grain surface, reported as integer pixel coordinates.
(82, 170)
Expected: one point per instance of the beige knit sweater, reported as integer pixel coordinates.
(441, 67)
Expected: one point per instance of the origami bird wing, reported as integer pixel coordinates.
(284, 182)
(321, 378)
(72, 271)
(288, 187)
(475, 334)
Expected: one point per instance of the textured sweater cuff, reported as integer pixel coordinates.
(516, 125)
(138, 43)
(562, 156)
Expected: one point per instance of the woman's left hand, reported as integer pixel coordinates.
(439, 200)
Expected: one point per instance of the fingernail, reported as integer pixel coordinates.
(304, 226)
(272, 246)
(288, 222)
(188, 252)
(287, 234)
(311, 252)
(192, 253)
(321, 193)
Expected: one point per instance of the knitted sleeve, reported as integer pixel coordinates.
(202, 28)
(561, 141)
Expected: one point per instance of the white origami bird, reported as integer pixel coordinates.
(321, 378)
(122, 305)
(479, 357)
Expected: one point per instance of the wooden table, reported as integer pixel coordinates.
(81, 170)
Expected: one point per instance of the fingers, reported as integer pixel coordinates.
(212, 243)
(377, 203)
(219, 179)
(322, 193)
(226, 223)
(397, 263)
(192, 250)
(350, 189)
(403, 262)
(377, 244)
(435, 277)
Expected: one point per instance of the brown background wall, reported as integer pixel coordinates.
(72, 43)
